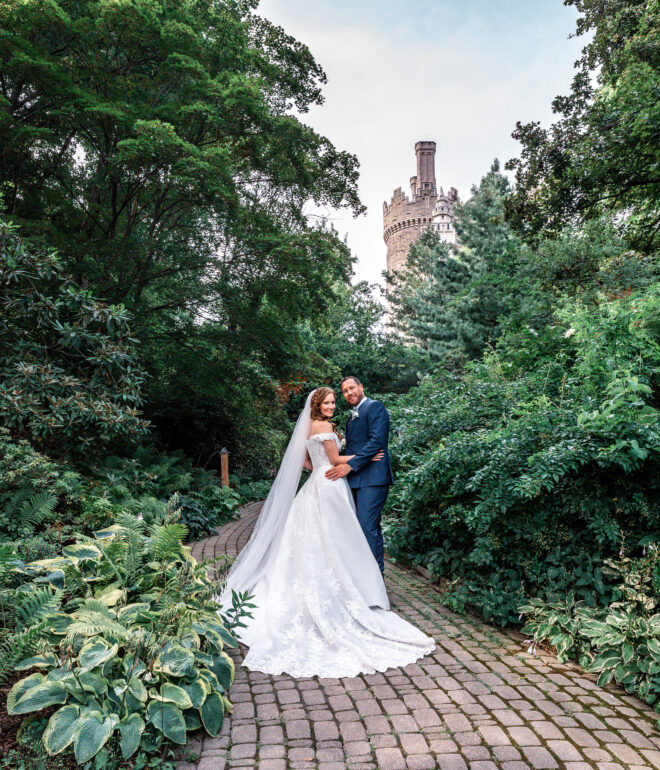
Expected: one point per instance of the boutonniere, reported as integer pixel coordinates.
(355, 414)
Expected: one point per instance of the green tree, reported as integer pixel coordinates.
(352, 338)
(602, 155)
(151, 140)
(155, 143)
(423, 297)
(449, 300)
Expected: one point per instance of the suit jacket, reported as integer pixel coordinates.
(365, 435)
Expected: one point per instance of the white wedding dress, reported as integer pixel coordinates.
(321, 604)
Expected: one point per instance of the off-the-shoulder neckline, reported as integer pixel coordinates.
(323, 435)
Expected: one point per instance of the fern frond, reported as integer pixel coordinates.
(75, 582)
(25, 508)
(33, 606)
(17, 647)
(12, 502)
(37, 507)
(166, 540)
(91, 623)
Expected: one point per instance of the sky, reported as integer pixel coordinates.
(457, 72)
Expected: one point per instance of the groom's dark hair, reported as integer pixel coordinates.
(350, 377)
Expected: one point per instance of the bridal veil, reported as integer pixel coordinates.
(254, 560)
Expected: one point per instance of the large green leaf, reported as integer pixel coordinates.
(91, 734)
(654, 647)
(167, 718)
(190, 641)
(131, 729)
(92, 682)
(137, 689)
(212, 713)
(175, 660)
(223, 668)
(172, 693)
(192, 720)
(61, 729)
(55, 577)
(215, 640)
(35, 698)
(110, 595)
(196, 692)
(81, 551)
(38, 661)
(95, 652)
(604, 661)
(131, 612)
(59, 623)
(219, 629)
(111, 531)
(227, 638)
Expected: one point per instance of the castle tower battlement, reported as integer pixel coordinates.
(405, 218)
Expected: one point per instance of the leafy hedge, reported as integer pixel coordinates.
(520, 476)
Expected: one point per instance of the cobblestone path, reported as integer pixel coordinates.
(480, 701)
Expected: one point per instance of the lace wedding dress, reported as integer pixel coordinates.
(322, 608)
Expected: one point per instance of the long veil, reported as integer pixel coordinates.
(253, 561)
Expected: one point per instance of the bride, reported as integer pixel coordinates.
(321, 604)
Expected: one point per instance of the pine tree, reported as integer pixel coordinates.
(448, 299)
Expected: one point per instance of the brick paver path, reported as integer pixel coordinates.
(480, 701)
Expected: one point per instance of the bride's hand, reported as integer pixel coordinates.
(378, 456)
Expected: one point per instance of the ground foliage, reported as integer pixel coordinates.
(621, 642)
(44, 502)
(127, 641)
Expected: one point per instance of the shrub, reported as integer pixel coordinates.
(514, 481)
(68, 377)
(136, 655)
(253, 490)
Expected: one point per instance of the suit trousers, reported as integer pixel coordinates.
(369, 502)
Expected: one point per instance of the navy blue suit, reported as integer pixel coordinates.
(370, 481)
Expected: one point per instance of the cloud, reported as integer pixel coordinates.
(459, 74)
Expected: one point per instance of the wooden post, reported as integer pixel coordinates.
(224, 467)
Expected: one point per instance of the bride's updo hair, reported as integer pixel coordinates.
(318, 397)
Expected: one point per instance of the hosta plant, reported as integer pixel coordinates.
(621, 643)
(137, 654)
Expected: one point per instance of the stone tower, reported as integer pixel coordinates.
(405, 219)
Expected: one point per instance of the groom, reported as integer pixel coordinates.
(367, 432)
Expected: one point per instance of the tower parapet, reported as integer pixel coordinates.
(405, 218)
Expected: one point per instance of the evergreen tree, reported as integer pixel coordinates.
(448, 300)
(423, 297)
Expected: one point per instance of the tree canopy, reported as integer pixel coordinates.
(160, 148)
(602, 156)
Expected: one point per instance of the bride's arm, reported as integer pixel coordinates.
(337, 459)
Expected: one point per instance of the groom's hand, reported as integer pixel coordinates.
(338, 472)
